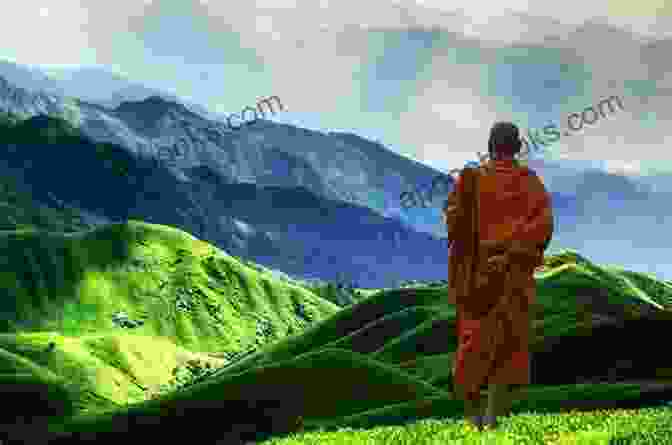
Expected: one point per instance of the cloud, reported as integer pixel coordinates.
(623, 168)
(326, 57)
(45, 34)
(447, 119)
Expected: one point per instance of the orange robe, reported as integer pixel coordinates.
(499, 220)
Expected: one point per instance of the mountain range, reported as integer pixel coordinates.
(274, 222)
(90, 84)
(211, 181)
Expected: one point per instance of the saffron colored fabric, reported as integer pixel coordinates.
(500, 220)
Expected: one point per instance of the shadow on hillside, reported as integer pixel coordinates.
(613, 351)
(286, 390)
(50, 265)
(304, 379)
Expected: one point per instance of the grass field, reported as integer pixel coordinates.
(373, 372)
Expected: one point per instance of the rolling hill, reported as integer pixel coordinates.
(385, 358)
(193, 300)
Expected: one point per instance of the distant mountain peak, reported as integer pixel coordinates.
(24, 103)
(7, 85)
(154, 105)
(152, 101)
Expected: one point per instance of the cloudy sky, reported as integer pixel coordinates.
(425, 79)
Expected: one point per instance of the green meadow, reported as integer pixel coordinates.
(288, 367)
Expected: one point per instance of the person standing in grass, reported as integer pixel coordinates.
(500, 221)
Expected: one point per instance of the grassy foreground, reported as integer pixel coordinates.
(613, 427)
(374, 372)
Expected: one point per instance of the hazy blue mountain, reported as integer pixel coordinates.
(90, 84)
(334, 167)
(29, 78)
(286, 228)
(99, 86)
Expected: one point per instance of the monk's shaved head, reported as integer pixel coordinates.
(504, 139)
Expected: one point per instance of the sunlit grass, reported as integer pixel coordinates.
(602, 427)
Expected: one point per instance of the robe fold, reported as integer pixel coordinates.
(500, 221)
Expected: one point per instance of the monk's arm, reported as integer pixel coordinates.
(538, 230)
(449, 214)
(450, 206)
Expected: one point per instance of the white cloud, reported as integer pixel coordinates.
(622, 167)
(449, 117)
(318, 52)
(41, 35)
(454, 129)
(302, 19)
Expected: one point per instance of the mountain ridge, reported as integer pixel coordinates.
(304, 237)
(335, 166)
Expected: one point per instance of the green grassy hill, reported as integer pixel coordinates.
(69, 359)
(191, 298)
(384, 361)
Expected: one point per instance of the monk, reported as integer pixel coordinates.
(500, 221)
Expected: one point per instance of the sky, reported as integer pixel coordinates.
(425, 78)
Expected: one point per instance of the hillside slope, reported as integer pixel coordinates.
(400, 344)
(181, 298)
(575, 300)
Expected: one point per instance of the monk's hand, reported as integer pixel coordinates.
(521, 248)
(527, 254)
